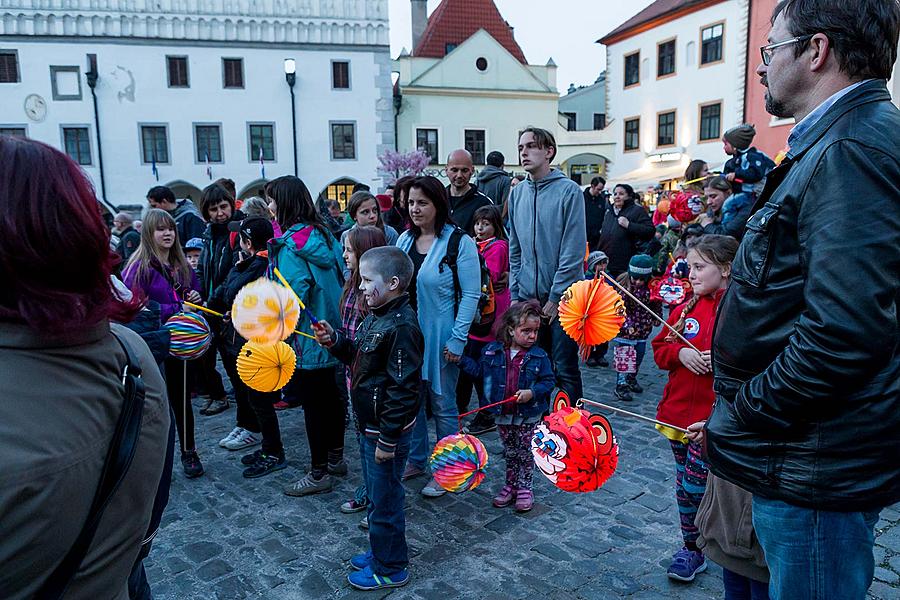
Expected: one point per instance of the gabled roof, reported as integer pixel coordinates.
(658, 13)
(454, 21)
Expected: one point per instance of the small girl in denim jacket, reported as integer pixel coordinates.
(515, 366)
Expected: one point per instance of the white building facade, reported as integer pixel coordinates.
(188, 91)
(675, 83)
(478, 97)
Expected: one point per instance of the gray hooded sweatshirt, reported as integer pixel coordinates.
(547, 240)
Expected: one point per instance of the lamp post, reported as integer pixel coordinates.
(290, 75)
(92, 75)
(398, 104)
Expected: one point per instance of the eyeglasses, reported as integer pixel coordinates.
(767, 51)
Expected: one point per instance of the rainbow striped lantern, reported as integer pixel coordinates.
(458, 462)
(189, 336)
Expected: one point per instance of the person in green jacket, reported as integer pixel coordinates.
(309, 258)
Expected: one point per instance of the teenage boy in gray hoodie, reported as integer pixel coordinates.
(547, 244)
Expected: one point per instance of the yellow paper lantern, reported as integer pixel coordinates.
(266, 368)
(265, 312)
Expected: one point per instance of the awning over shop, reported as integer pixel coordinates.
(649, 176)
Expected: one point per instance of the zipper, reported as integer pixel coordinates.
(375, 403)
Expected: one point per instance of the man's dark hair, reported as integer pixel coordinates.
(390, 261)
(161, 193)
(213, 195)
(495, 159)
(543, 139)
(863, 33)
(361, 187)
(597, 180)
(435, 191)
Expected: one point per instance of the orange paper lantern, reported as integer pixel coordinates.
(591, 313)
(266, 368)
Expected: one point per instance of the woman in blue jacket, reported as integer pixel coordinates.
(309, 258)
(445, 313)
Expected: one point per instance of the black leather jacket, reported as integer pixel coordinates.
(385, 369)
(805, 354)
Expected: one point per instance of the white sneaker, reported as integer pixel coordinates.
(244, 439)
(231, 436)
(433, 489)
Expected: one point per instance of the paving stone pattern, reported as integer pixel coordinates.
(229, 538)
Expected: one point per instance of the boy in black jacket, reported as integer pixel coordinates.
(385, 363)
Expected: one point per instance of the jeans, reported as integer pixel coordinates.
(466, 382)
(815, 554)
(738, 587)
(444, 411)
(563, 353)
(387, 521)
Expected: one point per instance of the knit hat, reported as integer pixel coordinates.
(741, 136)
(673, 222)
(594, 258)
(194, 244)
(640, 265)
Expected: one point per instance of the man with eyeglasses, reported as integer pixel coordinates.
(807, 343)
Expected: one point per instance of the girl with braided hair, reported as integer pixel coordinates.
(688, 396)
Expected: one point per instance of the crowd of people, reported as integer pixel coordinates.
(783, 351)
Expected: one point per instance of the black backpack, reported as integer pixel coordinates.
(486, 312)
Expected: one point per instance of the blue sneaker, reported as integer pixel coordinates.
(361, 561)
(686, 564)
(367, 580)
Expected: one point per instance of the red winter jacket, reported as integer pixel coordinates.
(687, 398)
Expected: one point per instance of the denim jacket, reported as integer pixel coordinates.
(536, 374)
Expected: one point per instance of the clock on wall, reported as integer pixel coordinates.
(35, 108)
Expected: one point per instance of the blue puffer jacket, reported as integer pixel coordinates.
(315, 273)
(536, 375)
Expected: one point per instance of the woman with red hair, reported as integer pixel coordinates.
(62, 384)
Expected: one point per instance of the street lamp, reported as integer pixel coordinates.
(290, 75)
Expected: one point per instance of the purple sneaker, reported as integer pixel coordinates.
(686, 564)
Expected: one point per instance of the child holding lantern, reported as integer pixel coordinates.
(257, 421)
(514, 366)
(386, 360)
(688, 395)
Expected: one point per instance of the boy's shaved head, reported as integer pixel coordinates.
(389, 261)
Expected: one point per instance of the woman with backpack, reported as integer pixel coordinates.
(445, 296)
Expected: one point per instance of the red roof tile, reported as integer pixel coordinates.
(657, 13)
(454, 21)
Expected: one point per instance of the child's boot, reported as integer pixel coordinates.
(505, 496)
(623, 392)
(524, 500)
(632, 381)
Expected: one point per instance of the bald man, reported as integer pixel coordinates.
(129, 238)
(465, 198)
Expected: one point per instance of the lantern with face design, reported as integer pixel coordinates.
(574, 449)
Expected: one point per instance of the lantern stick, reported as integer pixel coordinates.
(288, 286)
(218, 314)
(480, 408)
(653, 314)
(631, 414)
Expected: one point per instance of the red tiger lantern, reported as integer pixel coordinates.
(573, 448)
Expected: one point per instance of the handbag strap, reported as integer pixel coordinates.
(118, 460)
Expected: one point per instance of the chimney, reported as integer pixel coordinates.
(419, 20)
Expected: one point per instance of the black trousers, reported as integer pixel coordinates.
(324, 413)
(180, 401)
(207, 374)
(255, 410)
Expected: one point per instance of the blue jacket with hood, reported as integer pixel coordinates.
(314, 271)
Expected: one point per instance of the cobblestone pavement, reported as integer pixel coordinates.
(227, 537)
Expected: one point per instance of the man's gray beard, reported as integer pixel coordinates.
(776, 108)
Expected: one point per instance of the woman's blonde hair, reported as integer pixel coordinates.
(718, 250)
(148, 251)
